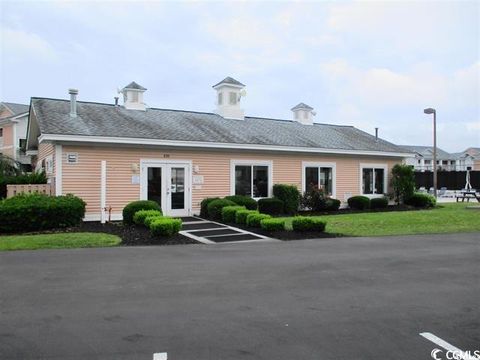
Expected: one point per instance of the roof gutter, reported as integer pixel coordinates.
(212, 145)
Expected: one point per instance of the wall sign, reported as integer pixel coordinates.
(197, 179)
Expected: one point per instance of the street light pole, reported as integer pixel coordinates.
(434, 112)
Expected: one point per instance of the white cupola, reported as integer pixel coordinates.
(229, 93)
(303, 114)
(133, 96)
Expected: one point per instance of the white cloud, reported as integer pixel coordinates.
(17, 45)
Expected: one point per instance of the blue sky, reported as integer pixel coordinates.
(367, 64)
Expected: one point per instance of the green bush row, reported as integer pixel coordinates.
(32, 212)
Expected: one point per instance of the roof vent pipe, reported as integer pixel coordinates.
(73, 102)
(116, 100)
(376, 134)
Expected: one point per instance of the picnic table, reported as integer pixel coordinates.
(468, 195)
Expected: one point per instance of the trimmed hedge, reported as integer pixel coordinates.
(165, 226)
(214, 208)
(379, 203)
(303, 224)
(290, 196)
(421, 200)
(204, 206)
(271, 206)
(140, 216)
(359, 202)
(273, 224)
(242, 200)
(229, 212)
(254, 220)
(31, 212)
(332, 204)
(149, 219)
(131, 208)
(241, 215)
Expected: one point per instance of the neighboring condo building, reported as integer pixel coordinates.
(13, 132)
(423, 159)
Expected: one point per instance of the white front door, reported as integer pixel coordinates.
(168, 184)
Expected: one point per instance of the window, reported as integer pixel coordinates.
(233, 98)
(47, 165)
(373, 180)
(320, 176)
(419, 161)
(134, 96)
(1, 132)
(220, 98)
(445, 162)
(251, 179)
(427, 162)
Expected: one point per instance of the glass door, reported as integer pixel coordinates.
(168, 184)
(176, 191)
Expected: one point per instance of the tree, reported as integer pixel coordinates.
(403, 182)
(9, 167)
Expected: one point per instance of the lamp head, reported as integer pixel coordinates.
(429, 111)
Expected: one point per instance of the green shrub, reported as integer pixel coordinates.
(253, 220)
(241, 215)
(314, 199)
(332, 204)
(165, 226)
(359, 202)
(140, 216)
(302, 224)
(229, 212)
(421, 200)
(242, 200)
(31, 212)
(204, 206)
(290, 196)
(379, 203)
(403, 182)
(271, 206)
(215, 207)
(134, 206)
(149, 219)
(273, 224)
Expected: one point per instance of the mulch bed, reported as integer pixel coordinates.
(131, 235)
(287, 235)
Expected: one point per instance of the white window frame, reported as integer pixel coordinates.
(49, 165)
(232, 98)
(239, 162)
(385, 178)
(332, 165)
(220, 98)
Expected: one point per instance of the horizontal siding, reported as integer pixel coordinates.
(83, 178)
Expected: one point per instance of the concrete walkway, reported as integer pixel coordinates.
(211, 232)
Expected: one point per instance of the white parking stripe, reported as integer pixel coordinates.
(449, 347)
(160, 356)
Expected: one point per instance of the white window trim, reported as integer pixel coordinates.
(332, 165)
(236, 162)
(385, 178)
(49, 165)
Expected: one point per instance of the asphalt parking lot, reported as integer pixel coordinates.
(343, 298)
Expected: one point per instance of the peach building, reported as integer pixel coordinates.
(111, 154)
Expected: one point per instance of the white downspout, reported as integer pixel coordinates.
(103, 191)
(58, 170)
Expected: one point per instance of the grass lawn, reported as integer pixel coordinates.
(57, 241)
(446, 218)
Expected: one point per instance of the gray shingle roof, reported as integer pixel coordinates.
(17, 108)
(301, 106)
(229, 80)
(134, 85)
(160, 124)
(427, 151)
